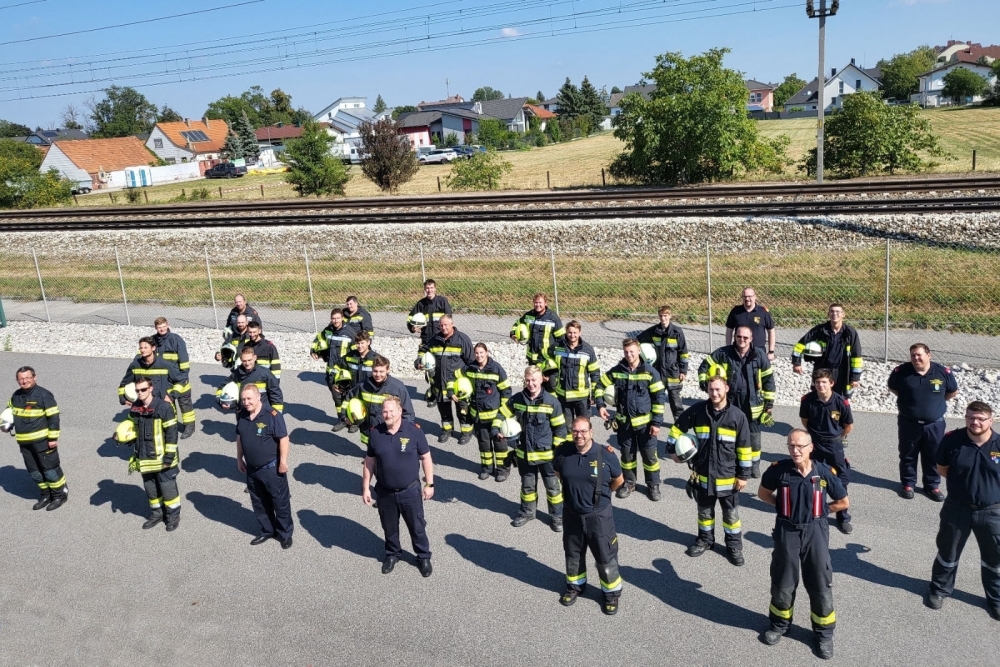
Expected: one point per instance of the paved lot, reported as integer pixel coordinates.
(86, 586)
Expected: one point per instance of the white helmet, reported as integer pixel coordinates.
(131, 395)
(7, 421)
(230, 393)
(813, 350)
(417, 320)
(685, 447)
(648, 352)
(510, 428)
(609, 394)
(126, 432)
(429, 361)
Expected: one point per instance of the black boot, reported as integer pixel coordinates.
(154, 519)
(58, 500)
(43, 499)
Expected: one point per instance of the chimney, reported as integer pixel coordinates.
(187, 121)
(207, 121)
(833, 72)
(853, 62)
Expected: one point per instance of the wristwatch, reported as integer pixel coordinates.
(429, 486)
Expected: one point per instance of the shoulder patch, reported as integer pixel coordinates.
(274, 413)
(896, 369)
(805, 396)
(773, 463)
(765, 309)
(947, 370)
(847, 401)
(610, 450)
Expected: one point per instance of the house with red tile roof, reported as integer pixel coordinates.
(188, 140)
(95, 159)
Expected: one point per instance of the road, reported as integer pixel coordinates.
(86, 586)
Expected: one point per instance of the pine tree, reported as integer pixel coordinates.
(247, 137)
(540, 96)
(569, 100)
(232, 149)
(379, 105)
(591, 104)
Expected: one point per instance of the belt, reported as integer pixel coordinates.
(799, 526)
(391, 490)
(831, 441)
(975, 508)
(925, 422)
(264, 467)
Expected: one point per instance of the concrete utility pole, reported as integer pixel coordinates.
(821, 14)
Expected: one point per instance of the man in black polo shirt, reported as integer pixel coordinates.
(757, 317)
(397, 449)
(828, 418)
(262, 453)
(969, 459)
(589, 475)
(923, 388)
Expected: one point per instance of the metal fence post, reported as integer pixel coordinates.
(708, 280)
(555, 283)
(45, 301)
(312, 303)
(423, 271)
(886, 357)
(211, 287)
(121, 280)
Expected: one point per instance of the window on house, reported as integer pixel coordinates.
(157, 143)
(171, 160)
(857, 85)
(833, 102)
(841, 87)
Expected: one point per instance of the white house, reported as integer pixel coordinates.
(188, 140)
(847, 81)
(932, 83)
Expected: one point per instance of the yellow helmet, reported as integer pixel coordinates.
(463, 388)
(356, 410)
(521, 332)
(126, 432)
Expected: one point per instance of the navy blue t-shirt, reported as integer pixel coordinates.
(580, 472)
(825, 419)
(922, 397)
(397, 455)
(973, 471)
(794, 494)
(260, 435)
(759, 320)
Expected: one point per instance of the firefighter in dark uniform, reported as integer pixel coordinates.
(35, 427)
(248, 372)
(234, 340)
(719, 469)
(267, 353)
(358, 317)
(751, 384)
(155, 455)
(671, 356)
(638, 417)
(172, 349)
(262, 453)
(922, 388)
(167, 380)
(841, 354)
(241, 307)
(373, 393)
(578, 373)
(490, 388)
(431, 308)
(332, 345)
(757, 317)
(544, 332)
(543, 428)
(969, 459)
(798, 488)
(589, 474)
(452, 352)
(397, 451)
(828, 418)
(357, 365)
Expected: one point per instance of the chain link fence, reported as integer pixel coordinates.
(896, 292)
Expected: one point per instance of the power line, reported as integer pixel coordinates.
(22, 4)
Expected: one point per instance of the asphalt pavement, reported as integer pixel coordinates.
(84, 585)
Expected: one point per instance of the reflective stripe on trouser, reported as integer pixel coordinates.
(447, 415)
(806, 549)
(161, 487)
(44, 469)
(632, 442)
(957, 523)
(595, 531)
(184, 409)
(529, 487)
(755, 444)
(730, 519)
(831, 452)
(490, 453)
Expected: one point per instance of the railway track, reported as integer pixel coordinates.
(617, 201)
(806, 208)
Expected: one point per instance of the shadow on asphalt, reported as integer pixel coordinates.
(112, 450)
(224, 510)
(635, 525)
(445, 457)
(329, 477)
(18, 483)
(512, 562)
(124, 498)
(226, 429)
(328, 442)
(308, 413)
(475, 496)
(313, 376)
(214, 380)
(336, 531)
(857, 477)
(219, 465)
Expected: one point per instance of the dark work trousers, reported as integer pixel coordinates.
(743, 403)
(595, 531)
(447, 413)
(161, 490)
(271, 500)
(574, 409)
(831, 452)
(919, 439)
(409, 504)
(638, 441)
(337, 392)
(957, 521)
(529, 487)
(674, 396)
(184, 410)
(807, 548)
(730, 519)
(491, 454)
(43, 467)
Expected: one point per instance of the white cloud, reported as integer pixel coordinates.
(510, 32)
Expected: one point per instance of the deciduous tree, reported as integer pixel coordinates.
(485, 94)
(387, 159)
(962, 84)
(10, 130)
(123, 112)
(482, 171)
(787, 89)
(899, 73)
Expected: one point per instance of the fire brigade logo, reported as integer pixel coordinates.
(936, 384)
(593, 464)
(402, 444)
(260, 428)
(756, 320)
(996, 457)
(835, 415)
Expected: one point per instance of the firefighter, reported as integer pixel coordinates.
(373, 392)
(166, 378)
(490, 388)
(235, 339)
(638, 404)
(543, 428)
(452, 352)
(249, 372)
(155, 455)
(798, 487)
(426, 314)
(241, 307)
(578, 373)
(671, 356)
(589, 475)
(544, 332)
(267, 353)
(751, 314)
(358, 317)
(35, 427)
(841, 351)
(828, 418)
(751, 383)
(172, 349)
(357, 365)
(332, 345)
(720, 468)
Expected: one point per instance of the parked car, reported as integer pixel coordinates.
(425, 150)
(438, 156)
(82, 187)
(225, 170)
(465, 151)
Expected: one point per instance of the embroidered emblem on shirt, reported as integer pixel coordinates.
(402, 444)
(936, 384)
(835, 415)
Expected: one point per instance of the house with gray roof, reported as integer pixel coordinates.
(423, 128)
(847, 81)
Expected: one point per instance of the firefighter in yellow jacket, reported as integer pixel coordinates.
(33, 420)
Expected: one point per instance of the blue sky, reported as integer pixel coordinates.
(318, 51)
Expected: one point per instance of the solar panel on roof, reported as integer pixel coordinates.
(50, 134)
(194, 136)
